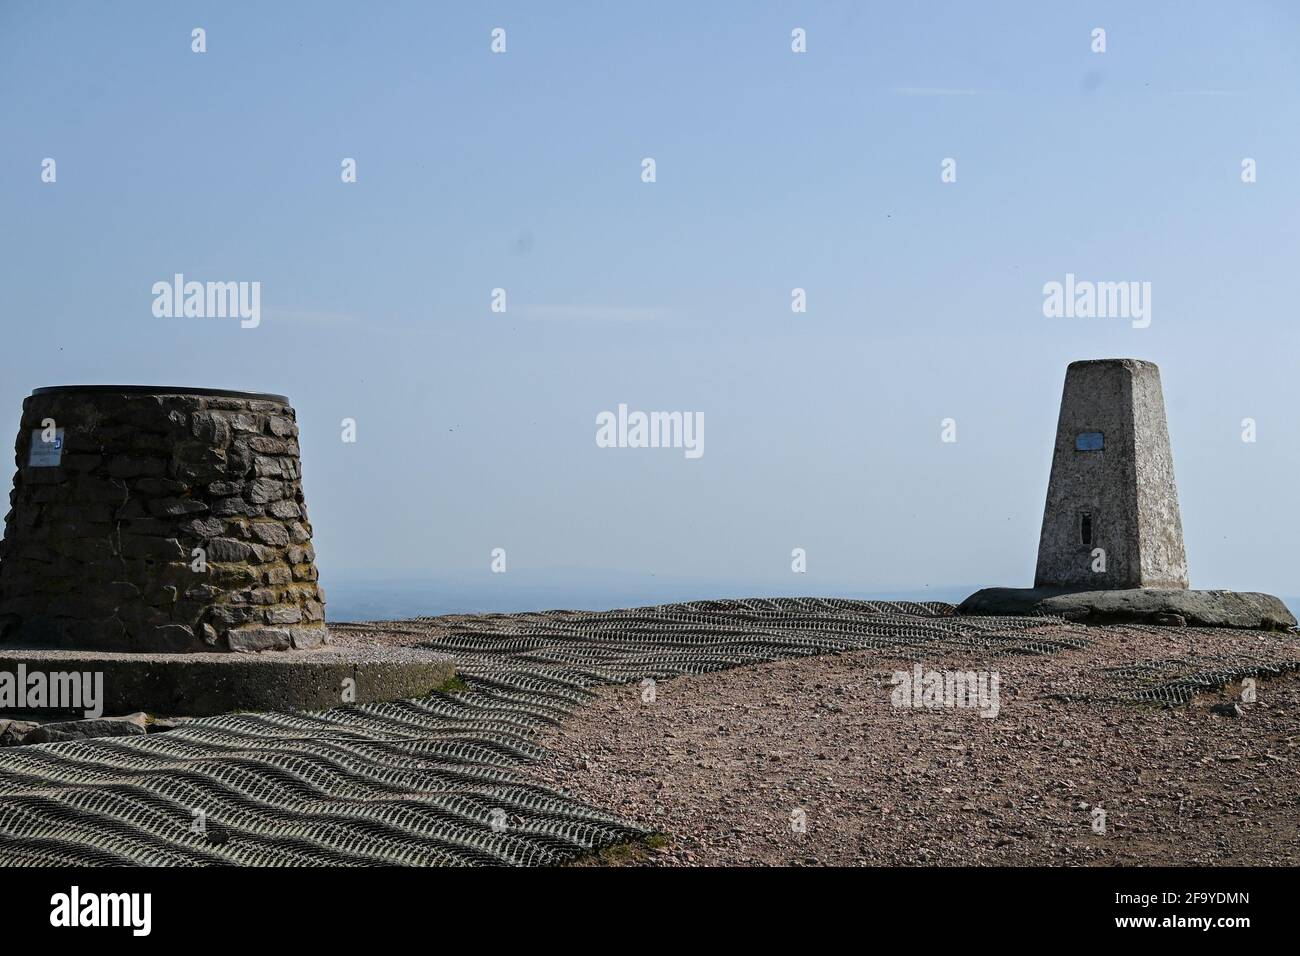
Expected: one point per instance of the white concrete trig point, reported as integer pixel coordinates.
(1111, 548)
(1111, 518)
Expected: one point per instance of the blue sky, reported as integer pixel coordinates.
(775, 170)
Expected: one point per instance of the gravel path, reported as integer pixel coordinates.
(773, 735)
(723, 763)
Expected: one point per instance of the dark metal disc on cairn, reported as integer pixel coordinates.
(158, 519)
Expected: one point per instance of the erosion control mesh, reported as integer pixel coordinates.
(429, 782)
(1175, 681)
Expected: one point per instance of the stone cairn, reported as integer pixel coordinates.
(158, 519)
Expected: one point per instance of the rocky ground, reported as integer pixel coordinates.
(17, 730)
(807, 761)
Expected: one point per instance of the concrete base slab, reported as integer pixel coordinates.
(201, 685)
(1170, 606)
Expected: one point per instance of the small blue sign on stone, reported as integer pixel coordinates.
(1089, 441)
(45, 454)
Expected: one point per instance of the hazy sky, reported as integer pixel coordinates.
(775, 170)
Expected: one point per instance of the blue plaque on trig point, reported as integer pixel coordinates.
(45, 454)
(1089, 441)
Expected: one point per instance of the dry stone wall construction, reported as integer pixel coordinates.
(159, 520)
